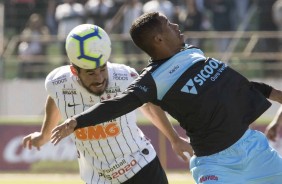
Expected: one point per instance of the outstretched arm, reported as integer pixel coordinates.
(272, 129)
(99, 113)
(276, 95)
(158, 117)
(51, 119)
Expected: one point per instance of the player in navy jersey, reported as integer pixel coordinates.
(115, 151)
(211, 101)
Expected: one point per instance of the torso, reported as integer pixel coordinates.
(110, 152)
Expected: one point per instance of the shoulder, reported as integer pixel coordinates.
(58, 76)
(122, 69)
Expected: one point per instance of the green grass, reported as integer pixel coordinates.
(174, 178)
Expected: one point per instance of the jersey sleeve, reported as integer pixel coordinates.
(141, 91)
(49, 86)
(144, 88)
(107, 110)
(265, 89)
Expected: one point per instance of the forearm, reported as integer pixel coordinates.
(51, 118)
(277, 120)
(107, 110)
(276, 95)
(158, 117)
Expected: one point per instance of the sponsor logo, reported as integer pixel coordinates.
(208, 178)
(72, 105)
(118, 169)
(189, 87)
(211, 71)
(120, 76)
(69, 91)
(100, 131)
(59, 80)
(143, 88)
(14, 153)
(115, 89)
(173, 69)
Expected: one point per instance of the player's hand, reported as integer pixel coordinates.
(35, 139)
(182, 148)
(63, 130)
(271, 132)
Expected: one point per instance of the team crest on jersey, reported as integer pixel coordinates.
(120, 76)
(69, 91)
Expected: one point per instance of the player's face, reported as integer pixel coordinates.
(94, 81)
(171, 34)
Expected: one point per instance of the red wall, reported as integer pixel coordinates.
(14, 157)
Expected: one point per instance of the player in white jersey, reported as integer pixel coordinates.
(113, 152)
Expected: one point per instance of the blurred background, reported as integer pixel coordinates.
(246, 34)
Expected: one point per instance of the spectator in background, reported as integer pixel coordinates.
(32, 48)
(19, 12)
(240, 12)
(128, 12)
(194, 19)
(68, 15)
(277, 19)
(266, 23)
(221, 12)
(50, 17)
(99, 12)
(164, 6)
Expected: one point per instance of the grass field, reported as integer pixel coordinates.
(174, 178)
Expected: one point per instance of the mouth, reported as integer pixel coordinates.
(98, 85)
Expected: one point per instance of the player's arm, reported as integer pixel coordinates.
(158, 117)
(51, 119)
(102, 112)
(271, 130)
(268, 91)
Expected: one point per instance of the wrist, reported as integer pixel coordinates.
(72, 123)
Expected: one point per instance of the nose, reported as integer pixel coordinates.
(176, 26)
(98, 77)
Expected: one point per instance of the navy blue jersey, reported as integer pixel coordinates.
(211, 101)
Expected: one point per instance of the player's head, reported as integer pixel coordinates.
(95, 80)
(154, 34)
(88, 48)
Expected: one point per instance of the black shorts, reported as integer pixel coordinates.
(153, 173)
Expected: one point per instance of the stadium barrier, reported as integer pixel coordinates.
(15, 158)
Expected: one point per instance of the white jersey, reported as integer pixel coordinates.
(111, 152)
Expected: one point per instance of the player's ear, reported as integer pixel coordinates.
(73, 70)
(158, 38)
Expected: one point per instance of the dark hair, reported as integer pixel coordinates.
(143, 30)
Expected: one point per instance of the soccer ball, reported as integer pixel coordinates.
(88, 46)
